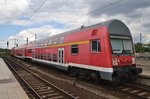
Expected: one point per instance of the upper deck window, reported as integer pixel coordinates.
(61, 40)
(29, 50)
(55, 41)
(95, 45)
(45, 42)
(50, 42)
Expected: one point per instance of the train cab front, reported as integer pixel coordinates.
(123, 59)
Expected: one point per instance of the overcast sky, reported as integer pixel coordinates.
(57, 16)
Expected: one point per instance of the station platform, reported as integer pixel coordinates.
(9, 86)
(145, 65)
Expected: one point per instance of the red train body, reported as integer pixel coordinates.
(104, 50)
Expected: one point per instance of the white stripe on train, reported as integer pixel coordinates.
(90, 67)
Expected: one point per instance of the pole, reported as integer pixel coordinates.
(27, 40)
(141, 42)
(15, 42)
(35, 37)
(141, 38)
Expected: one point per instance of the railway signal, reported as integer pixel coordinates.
(7, 44)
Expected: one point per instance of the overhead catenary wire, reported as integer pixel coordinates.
(74, 19)
(94, 11)
(34, 12)
(103, 7)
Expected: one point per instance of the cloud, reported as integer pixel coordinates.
(41, 32)
(72, 14)
(122, 7)
(62, 12)
(135, 14)
(11, 9)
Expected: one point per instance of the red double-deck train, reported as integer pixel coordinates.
(104, 50)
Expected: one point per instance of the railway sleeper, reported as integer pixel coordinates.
(38, 85)
(58, 97)
(136, 92)
(41, 90)
(34, 80)
(46, 92)
(143, 93)
(53, 95)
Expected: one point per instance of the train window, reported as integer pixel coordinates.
(46, 42)
(61, 40)
(50, 42)
(95, 45)
(55, 41)
(39, 56)
(121, 46)
(54, 57)
(74, 49)
(42, 56)
(45, 57)
(43, 43)
(40, 44)
(49, 57)
(36, 55)
(29, 50)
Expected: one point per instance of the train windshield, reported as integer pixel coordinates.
(121, 46)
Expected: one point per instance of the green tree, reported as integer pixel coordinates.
(138, 47)
(149, 44)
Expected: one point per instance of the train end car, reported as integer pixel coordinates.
(18, 52)
(122, 52)
(104, 51)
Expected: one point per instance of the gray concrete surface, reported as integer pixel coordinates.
(9, 86)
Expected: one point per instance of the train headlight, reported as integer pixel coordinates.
(133, 60)
(115, 61)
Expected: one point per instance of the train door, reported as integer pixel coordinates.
(23, 52)
(61, 55)
(33, 53)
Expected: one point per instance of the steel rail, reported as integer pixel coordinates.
(129, 88)
(52, 85)
(22, 79)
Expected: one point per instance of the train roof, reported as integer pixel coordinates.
(115, 27)
(111, 24)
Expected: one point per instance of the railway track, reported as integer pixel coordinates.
(144, 77)
(133, 90)
(39, 86)
(136, 90)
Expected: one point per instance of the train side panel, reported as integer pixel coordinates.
(95, 48)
